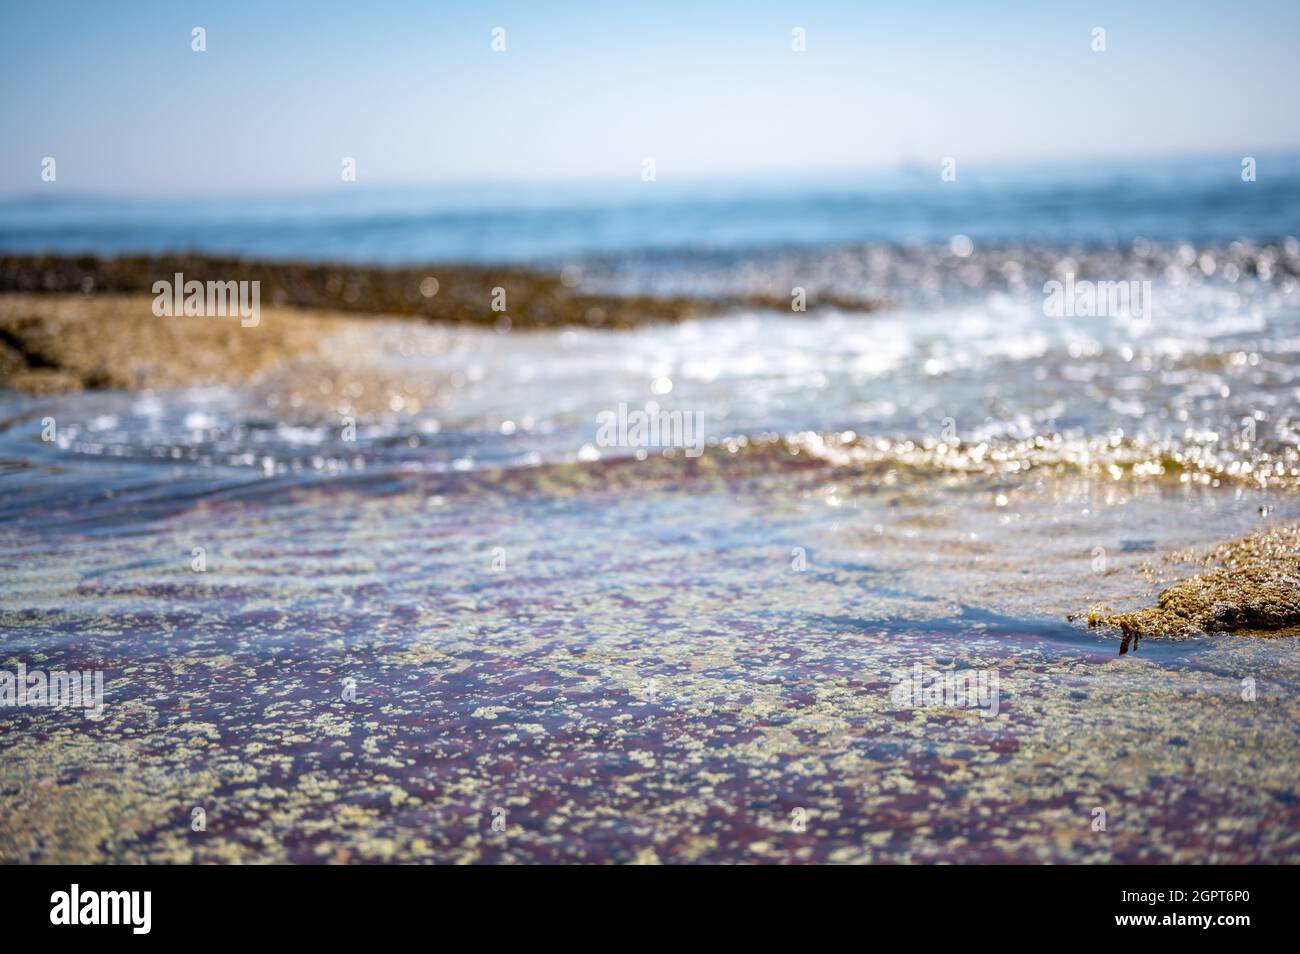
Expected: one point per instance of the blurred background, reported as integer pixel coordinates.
(474, 144)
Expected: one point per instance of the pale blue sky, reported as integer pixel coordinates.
(415, 94)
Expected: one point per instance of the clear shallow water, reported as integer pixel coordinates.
(503, 590)
(625, 659)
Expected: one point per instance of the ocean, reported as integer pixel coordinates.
(1066, 204)
(442, 594)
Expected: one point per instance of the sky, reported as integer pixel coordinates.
(415, 94)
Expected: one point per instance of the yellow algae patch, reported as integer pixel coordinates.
(1252, 588)
(73, 342)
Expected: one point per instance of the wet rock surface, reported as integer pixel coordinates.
(1251, 588)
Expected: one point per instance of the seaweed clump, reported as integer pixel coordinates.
(1251, 588)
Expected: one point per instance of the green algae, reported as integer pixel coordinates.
(525, 690)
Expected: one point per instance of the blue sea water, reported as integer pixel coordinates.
(955, 473)
(1196, 200)
(961, 264)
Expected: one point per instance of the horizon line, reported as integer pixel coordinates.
(699, 177)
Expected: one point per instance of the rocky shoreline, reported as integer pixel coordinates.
(459, 294)
(72, 323)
